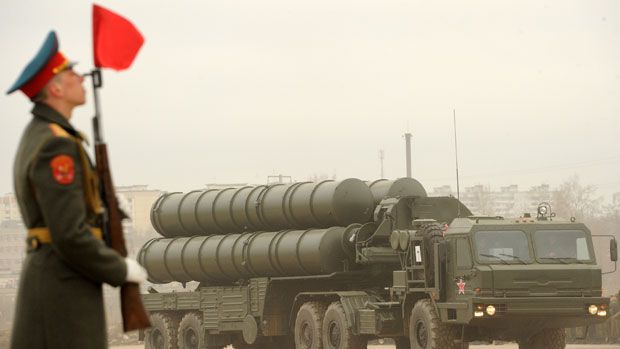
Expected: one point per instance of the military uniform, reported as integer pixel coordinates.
(59, 304)
(59, 301)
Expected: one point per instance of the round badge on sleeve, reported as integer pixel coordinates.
(63, 169)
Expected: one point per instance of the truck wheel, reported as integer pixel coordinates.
(426, 331)
(308, 326)
(189, 334)
(162, 334)
(549, 338)
(336, 331)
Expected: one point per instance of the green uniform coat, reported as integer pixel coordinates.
(59, 301)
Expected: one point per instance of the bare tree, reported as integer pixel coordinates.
(572, 199)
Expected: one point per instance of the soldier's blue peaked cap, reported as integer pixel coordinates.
(47, 63)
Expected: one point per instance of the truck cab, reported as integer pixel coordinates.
(510, 278)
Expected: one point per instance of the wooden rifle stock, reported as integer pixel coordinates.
(132, 309)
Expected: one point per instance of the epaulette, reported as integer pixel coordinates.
(58, 131)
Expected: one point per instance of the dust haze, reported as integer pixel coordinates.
(235, 91)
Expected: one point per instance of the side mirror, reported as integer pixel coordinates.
(613, 251)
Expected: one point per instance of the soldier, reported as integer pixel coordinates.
(59, 301)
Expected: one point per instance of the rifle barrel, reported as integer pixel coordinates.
(97, 80)
(133, 312)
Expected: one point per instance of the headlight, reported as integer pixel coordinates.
(592, 309)
(478, 311)
(602, 313)
(491, 310)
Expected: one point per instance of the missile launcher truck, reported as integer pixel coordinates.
(333, 265)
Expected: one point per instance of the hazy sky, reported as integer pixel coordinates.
(234, 91)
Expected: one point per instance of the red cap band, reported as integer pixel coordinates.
(54, 66)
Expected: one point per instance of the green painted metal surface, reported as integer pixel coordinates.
(300, 205)
(226, 258)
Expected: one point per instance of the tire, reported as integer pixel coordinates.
(162, 334)
(549, 338)
(432, 233)
(426, 331)
(189, 335)
(336, 333)
(308, 325)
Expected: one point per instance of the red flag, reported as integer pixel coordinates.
(116, 40)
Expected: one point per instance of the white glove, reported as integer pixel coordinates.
(135, 272)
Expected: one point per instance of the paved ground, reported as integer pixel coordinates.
(571, 346)
(504, 346)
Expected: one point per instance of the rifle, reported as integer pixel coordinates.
(132, 309)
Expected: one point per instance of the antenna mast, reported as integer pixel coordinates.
(456, 155)
(381, 157)
(408, 153)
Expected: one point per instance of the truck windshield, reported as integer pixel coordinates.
(561, 246)
(505, 247)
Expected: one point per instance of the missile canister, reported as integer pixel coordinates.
(225, 258)
(406, 186)
(274, 207)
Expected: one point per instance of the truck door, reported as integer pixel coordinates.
(461, 268)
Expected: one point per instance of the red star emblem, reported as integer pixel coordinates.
(461, 286)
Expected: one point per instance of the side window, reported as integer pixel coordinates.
(582, 249)
(463, 254)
